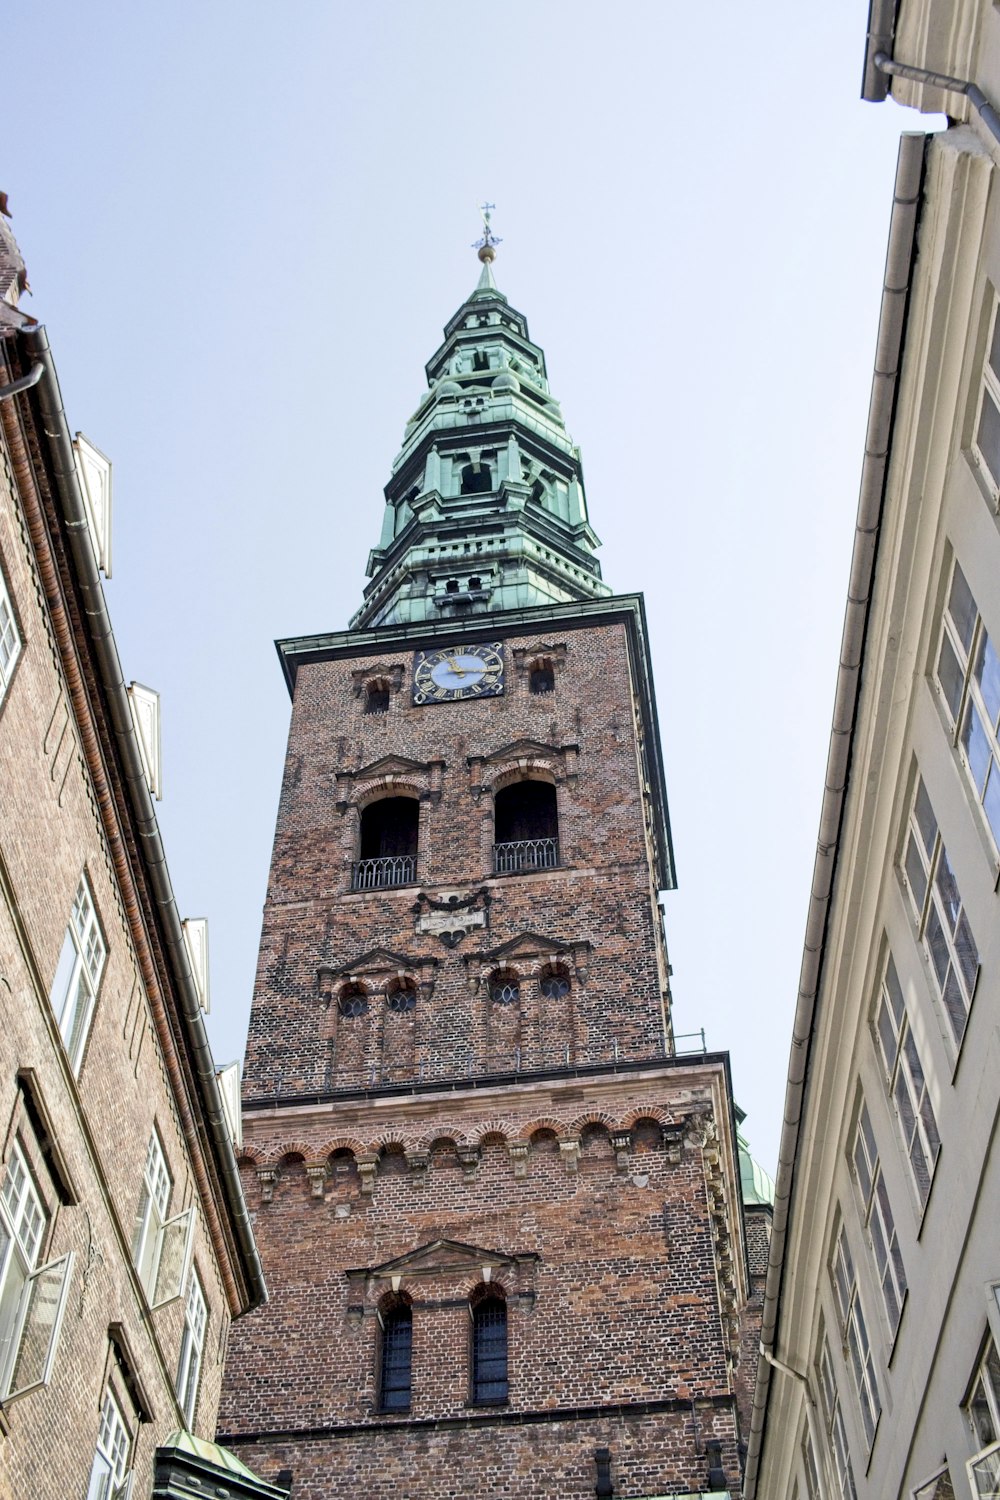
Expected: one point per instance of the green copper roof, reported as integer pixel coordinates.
(485, 508)
(210, 1453)
(756, 1187)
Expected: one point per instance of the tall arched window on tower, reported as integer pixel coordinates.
(395, 1356)
(526, 827)
(489, 1347)
(387, 854)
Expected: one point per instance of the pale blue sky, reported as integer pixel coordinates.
(245, 225)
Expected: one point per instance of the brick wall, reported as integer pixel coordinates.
(596, 914)
(590, 1208)
(99, 1120)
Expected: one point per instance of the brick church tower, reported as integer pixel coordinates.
(500, 1218)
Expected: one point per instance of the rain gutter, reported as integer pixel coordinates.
(63, 469)
(897, 280)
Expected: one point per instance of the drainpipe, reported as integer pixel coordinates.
(63, 465)
(892, 320)
(25, 383)
(971, 91)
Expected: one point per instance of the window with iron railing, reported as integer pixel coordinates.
(388, 844)
(526, 827)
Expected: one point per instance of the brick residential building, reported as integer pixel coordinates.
(500, 1214)
(125, 1245)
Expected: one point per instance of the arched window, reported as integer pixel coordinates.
(555, 984)
(476, 479)
(388, 850)
(402, 996)
(526, 827)
(504, 988)
(353, 1001)
(396, 1358)
(489, 1350)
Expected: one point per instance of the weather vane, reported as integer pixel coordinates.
(487, 245)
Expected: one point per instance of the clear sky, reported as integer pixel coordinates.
(245, 225)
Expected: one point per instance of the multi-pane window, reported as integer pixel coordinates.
(192, 1346)
(109, 1471)
(983, 1413)
(489, 1351)
(940, 916)
(161, 1247)
(968, 674)
(396, 1357)
(878, 1219)
(857, 1346)
(81, 963)
(907, 1082)
(809, 1469)
(10, 640)
(151, 1212)
(32, 1297)
(987, 431)
(843, 1472)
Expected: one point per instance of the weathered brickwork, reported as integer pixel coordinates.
(593, 919)
(613, 1299)
(758, 1237)
(546, 1145)
(82, 1125)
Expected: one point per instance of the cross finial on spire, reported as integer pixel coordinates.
(487, 245)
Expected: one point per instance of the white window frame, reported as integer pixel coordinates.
(939, 912)
(32, 1297)
(964, 649)
(857, 1346)
(77, 980)
(833, 1412)
(161, 1247)
(810, 1467)
(880, 1226)
(989, 390)
(10, 637)
(192, 1350)
(906, 1080)
(110, 1476)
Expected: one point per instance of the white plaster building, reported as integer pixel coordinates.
(880, 1366)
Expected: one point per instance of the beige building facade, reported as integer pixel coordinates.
(880, 1358)
(125, 1245)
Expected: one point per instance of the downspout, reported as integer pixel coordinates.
(25, 383)
(56, 430)
(886, 64)
(900, 258)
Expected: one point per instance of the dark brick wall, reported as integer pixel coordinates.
(590, 1207)
(599, 904)
(603, 1203)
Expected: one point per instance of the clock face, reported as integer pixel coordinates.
(458, 672)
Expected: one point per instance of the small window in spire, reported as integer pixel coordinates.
(481, 360)
(476, 479)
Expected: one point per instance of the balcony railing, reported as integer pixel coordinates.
(525, 854)
(376, 874)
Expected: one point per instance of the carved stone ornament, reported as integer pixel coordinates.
(450, 915)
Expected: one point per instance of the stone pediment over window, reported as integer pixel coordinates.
(530, 954)
(375, 968)
(522, 758)
(392, 775)
(444, 1257)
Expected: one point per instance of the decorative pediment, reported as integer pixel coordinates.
(523, 757)
(529, 955)
(438, 1257)
(375, 968)
(391, 775)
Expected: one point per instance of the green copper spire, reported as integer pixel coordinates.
(485, 509)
